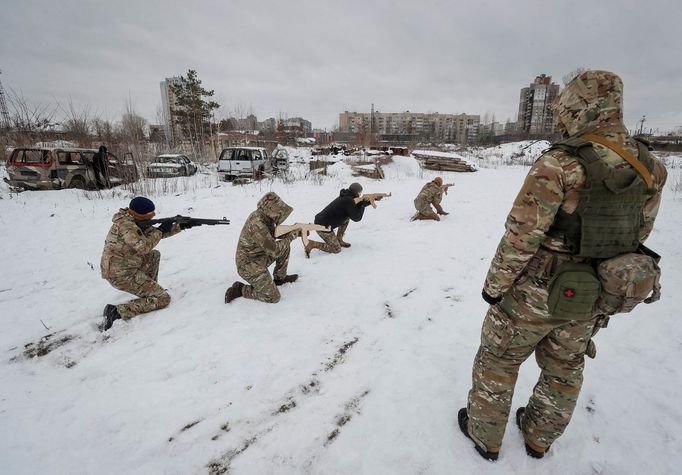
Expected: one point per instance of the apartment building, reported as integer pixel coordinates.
(168, 106)
(535, 114)
(409, 126)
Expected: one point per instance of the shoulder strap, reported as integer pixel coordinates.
(595, 168)
(625, 155)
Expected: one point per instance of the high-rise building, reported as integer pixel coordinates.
(535, 114)
(168, 106)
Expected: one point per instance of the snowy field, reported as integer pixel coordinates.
(360, 369)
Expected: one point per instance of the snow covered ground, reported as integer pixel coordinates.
(361, 367)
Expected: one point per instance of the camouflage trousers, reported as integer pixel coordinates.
(331, 239)
(512, 330)
(425, 212)
(142, 283)
(261, 285)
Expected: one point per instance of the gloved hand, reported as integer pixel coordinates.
(490, 300)
(165, 227)
(365, 203)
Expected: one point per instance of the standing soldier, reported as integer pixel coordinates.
(585, 202)
(337, 214)
(258, 249)
(431, 194)
(130, 262)
(100, 165)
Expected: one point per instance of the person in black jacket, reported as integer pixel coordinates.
(337, 214)
(100, 165)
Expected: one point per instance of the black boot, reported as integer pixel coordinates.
(463, 421)
(529, 450)
(110, 314)
(234, 291)
(287, 279)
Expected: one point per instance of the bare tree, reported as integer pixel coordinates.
(29, 122)
(104, 131)
(77, 123)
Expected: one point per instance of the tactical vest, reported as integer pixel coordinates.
(607, 221)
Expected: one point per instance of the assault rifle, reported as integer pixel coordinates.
(304, 228)
(445, 187)
(185, 222)
(372, 198)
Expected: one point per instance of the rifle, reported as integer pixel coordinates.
(305, 229)
(372, 198)
(445, 187)
(182, 220)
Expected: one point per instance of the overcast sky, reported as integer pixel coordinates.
(316, 59)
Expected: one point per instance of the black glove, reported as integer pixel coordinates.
(490, 300)
(365, 203)
(165, 227)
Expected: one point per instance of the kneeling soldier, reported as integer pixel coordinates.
(336, 215)
(258, 249)
(431, 194)
(130, 263)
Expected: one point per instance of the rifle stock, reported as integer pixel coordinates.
(372, 198)
(305, 229)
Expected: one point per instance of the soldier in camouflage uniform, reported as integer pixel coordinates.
(130, 262)
(430, 194)
(258, 249)
(517, 285)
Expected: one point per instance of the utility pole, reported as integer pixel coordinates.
(4, 113)
(371, 123)
(641, 124)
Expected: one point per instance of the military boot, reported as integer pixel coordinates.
(425, 217)
(286, 279)
(110, 314)
(310, 246)
(439, 209)
(463, 421)
(339, 237)
(236, 290)
(536, 454)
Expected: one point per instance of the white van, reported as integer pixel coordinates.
(237, 162)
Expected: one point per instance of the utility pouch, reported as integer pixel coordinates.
(573, 292)
(628, 280)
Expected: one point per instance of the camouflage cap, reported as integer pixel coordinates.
(593, 100)
(274, 207)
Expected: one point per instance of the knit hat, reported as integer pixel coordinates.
(438, 181)
(356, 188)
(141, 205)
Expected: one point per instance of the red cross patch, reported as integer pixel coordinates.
(570, 293)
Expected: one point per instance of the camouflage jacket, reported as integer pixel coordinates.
(431, 193)
(126, 245)
(591, 103)
(257, 240)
